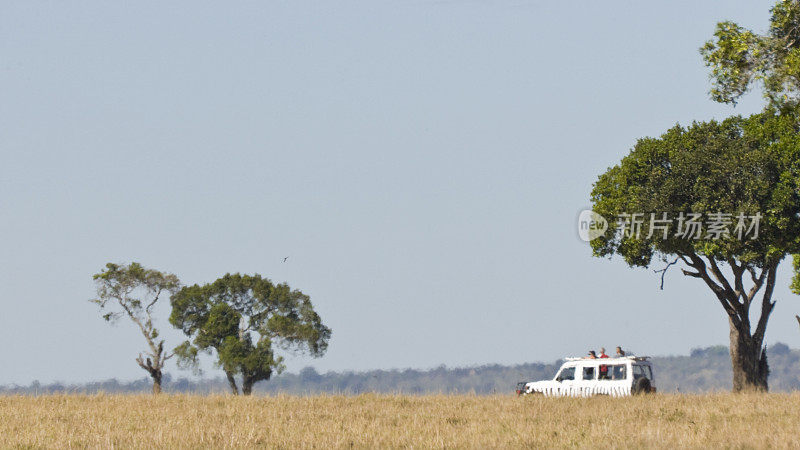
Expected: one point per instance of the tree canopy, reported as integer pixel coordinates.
(240, 317)
(740, 165)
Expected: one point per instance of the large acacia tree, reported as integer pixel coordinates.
(241, 318)
(745, 167)
(133, 291)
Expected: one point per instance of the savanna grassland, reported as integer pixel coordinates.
(187, 421)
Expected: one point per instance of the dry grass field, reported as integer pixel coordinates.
(185, 421)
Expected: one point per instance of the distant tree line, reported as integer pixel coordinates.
(704, 370)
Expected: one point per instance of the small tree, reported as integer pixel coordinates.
(240, 317)
(133, 291)
(738, 167)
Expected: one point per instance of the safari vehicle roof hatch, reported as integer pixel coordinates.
(632, 358)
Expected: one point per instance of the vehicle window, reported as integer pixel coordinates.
(567, 373)
(613, 372)
(642, 371)
(603, 373)
(588, 373)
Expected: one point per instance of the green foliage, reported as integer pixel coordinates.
(795, 286)
(132, 290)
(240, 317)
(735, 58)
(739, 57)
(187, 356)
(255, 362)
(749, 165)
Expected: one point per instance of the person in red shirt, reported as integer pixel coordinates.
(603, 369)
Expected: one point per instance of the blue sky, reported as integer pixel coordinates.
(422, 164)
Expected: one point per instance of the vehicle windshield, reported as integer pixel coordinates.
(640, 371)
(567, 373)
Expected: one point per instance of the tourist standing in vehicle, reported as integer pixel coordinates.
(603, 369)
(620, 352)
(592, 354)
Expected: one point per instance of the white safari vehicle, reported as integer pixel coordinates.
(584, 377)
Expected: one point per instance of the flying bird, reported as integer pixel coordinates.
(284, 259)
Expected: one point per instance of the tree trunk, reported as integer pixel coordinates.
(748, 361)
(154, 370)
(156, 374)
(247, 386)
(232, 383)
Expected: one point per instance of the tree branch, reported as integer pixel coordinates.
(700, 265)
(123, 302)
(155, 299)
(766, 305)
(738, 271)
(757, 283)
(146, 365)
(753, 273)
(691, 274)
(685, 261)
(664, 271)
(720, 276)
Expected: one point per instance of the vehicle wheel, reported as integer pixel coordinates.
(641, 386)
